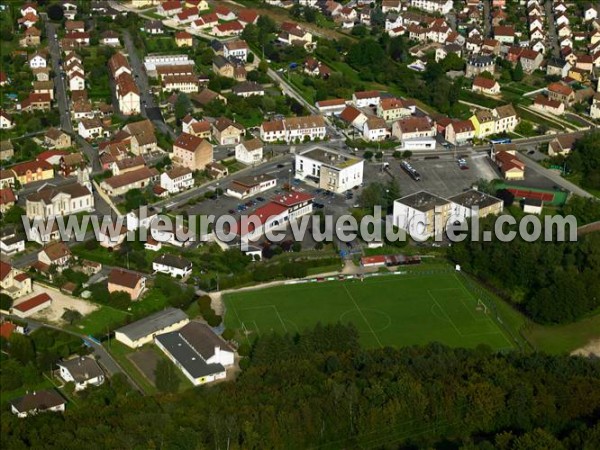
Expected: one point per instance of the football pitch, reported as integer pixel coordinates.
(392, 310)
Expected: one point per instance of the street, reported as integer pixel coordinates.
(149, 106)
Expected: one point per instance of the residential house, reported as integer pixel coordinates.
(237, 49)
(228, 68)
(132, 283)
(364, 99)
(30, 171)
(484, 123)
(442, 7)
(249, 152)
(329, 107)
(36, 102)
(183, 39)
(44, 87)
(6, 150)
(375, 129)
(234, 28)
(14, 282)
(561, 92)
(136, 179)
(177, 179)
(393, 109)
(11, 242)
(55, 254)
(414, 128)
(175, 266)
(57, 139)
(110, 38)
(531, 60)
(90, 129)
(476, 65)
(248, 89)
(6, 121)
(7, 199)
(561, 145)
(37, 60)
(460, 131)
(505, 119)
(73, 163)
(292, 34)
(227, 132)
(544, 104)
(192, 152)
(83, 371)
(142, 137)
(31, 37)
(485, 86)
(36, 402)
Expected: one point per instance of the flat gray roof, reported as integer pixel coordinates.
(332, 158)
(423, 201)
(153, 323)
(189, 358)
(474, 197)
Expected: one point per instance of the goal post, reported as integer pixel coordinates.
(481, 306)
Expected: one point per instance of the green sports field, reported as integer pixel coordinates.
(391, 310)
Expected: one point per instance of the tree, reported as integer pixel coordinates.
(21, 348)
(368, 155)
(310, 15)
(55, 12)
(6, 302)
(166, 377)
(183, 106)
(517, 73)
(71, 316)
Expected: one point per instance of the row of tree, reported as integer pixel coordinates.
(552, 282)
(320, 389)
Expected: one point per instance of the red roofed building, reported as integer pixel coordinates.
(373, 261)
(13, 282)
(234, 28)
(246, 16)
(485, 86)
(32, 305)
(30, 171)
(7, 199)
(224, 13)
(510, 165)
(7, 329)
(561, 92)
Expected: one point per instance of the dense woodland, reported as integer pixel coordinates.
(552, 282)
(320, 389)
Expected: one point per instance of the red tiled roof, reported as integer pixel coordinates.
(7, 196)
(484, 83)
(30, 166)
(5, 269)
(291, 199)
(33, 302)
(6, 329)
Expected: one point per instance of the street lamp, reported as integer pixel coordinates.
(217, 191)
(290, 179)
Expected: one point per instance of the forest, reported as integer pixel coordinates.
(319, 389)
(551, 282)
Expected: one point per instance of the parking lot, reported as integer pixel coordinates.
(440, 175)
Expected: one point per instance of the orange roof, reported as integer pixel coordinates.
(33, 302)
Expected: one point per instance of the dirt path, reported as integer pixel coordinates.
(349, 269)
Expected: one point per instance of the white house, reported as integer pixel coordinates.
(32, 305)
(84, 371)
(433, 6)
(177, 179)
(329, 169)
(249, 152)
(175, 266)
(59, 201)
(236, 49)
(143, 331)
(90, 128)
(250, 185)
(366, 98)
(422, 214)
(76, 81)
(36, 402)
(375, 129)
(37, 61)
(197, 351)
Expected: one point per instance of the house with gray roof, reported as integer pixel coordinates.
(144, 330)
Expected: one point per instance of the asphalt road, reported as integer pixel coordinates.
(150, 108)
(552, 36)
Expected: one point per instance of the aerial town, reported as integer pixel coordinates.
(149, 116)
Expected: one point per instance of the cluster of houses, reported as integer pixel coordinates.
(377, 116)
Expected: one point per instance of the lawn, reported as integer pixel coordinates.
(100, 321)
(559, 339)
(406, 308)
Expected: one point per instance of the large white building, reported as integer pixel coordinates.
(198, 352)
(434, 6)
(329, 169)
(152, 62)
(58, 201)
